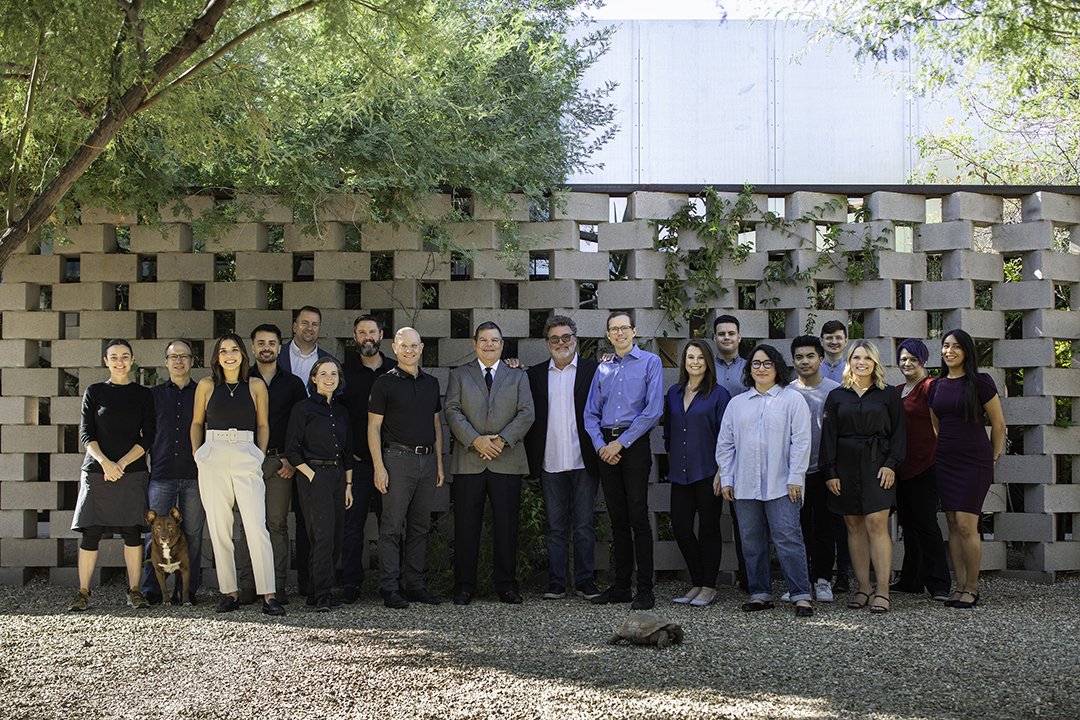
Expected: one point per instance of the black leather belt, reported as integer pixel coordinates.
(612, 433)
(323, 463)
(272, 451)
(413, 449)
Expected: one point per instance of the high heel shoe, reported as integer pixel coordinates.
(705, 597)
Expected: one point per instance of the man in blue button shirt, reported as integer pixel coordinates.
(626, 400)
(174, 479)
(730, 366)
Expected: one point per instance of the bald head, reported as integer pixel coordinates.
(408, 347)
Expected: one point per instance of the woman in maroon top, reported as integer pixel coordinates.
(916, 486)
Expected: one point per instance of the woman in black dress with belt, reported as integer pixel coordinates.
(862, 442)
(117, 427)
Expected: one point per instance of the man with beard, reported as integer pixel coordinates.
(285, 390)
(361, 369)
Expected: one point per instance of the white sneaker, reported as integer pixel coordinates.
(786, 597)
(823, 590)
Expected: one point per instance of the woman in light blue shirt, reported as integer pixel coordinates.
(762, 451)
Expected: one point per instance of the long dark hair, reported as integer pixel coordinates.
(972, 409)
(215, 364)
(783, 372)
(709, 381)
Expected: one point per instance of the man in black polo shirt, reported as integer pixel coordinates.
(405, 441)
(285, 390)
(361, 369)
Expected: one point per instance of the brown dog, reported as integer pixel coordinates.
(169, 550)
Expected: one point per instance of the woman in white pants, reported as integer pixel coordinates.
(231, 415)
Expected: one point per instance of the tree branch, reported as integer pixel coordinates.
(28, 117)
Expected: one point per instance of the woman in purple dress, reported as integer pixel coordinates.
(965, 459)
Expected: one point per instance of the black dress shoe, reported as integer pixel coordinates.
(228, 604)
(272, 607)
(423, 596)
(644, 600)
(613, 595)
(394, 599)
(322, 604)
(350, 594)
(510, 597)
(462, 597)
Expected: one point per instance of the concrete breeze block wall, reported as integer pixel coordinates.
(941, 266)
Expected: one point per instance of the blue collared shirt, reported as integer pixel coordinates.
(730, 375)
(625, 392)
(833, 370)
(690, 435)
(764, 443)
(170, 453)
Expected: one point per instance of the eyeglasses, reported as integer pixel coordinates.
(620, 329)
(178, 358)
(759, 364)
(554, 340)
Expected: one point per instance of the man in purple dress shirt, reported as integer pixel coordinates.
(626, 399)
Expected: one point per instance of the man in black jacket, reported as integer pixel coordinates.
(561, 454)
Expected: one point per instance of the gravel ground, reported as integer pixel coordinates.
(1016, 655)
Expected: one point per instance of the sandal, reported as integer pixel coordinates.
(954, 597)
(878, 609)
(755, 605)
(854, 604)
(965, 604)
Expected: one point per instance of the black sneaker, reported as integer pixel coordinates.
(644, 600)
(613, 595)
(554, 592)
(588, 590)
(227, 604)
(423, 596)
(322, 604)
(272, 607)
(842, 584)
(393, 599)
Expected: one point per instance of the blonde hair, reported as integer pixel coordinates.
(872, 351)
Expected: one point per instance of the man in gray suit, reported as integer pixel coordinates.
(489, 408)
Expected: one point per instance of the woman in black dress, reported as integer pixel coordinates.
(117, 427)
(319, 445)
(862, 442)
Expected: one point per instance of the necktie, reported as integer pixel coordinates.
(487, 377)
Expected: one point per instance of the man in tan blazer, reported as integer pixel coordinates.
(489, 408)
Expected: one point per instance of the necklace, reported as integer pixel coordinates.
(232, 389)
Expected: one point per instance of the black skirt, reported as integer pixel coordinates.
(119, 504)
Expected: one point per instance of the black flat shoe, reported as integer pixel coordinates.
(510, 597)
(272, 607)
(228, 604)
(966, 604)
(756, 605)
(423, 596)
(462, 597)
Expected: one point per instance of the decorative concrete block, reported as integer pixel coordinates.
(656, 324)
(1024, 469)
(1023, 353)
(423, 265)
(550, 294)
(19, 296)
(30, 438)
(193, 324)
(1053, 557)
(1050, 440)
(978, 323)
(323, 237)
(320, 293)
(195, 267)
(514, 323)
(1051, 323)
(582, 207)
(1017, 237)
(894, 323)
(18, 467)
(494, 266)
(644, 205)
(31, 325)
(480, 235)
(864, 295)
(454, 352)
(1024, 295)
(1024, 527)
(649, 265)
(186, 210)
(1051, 381)
(557, 235)
(347, 266)
(39, 269)
(88, 376)
(268, 267)
(234, 295)
(751, 268)
(18, 410)
(394, 294)
(1052, 207)
(106, 324)
(111, 268)
(78, 239)
(857, 237)
(971, 265)
(266, 209)
(591, 323)
(67, 467)
(170, 237)
(30, 552)
(238, 238)
(789, 236)
(942, 237)
(943, 295)
(817, 207)
(30, 382)
(632, 235)
(468, 294)
(577, 265)
(18, 524)
(73, 297)
(898, 207)
(68, 410)
(514, 207)
(101, 216)
(429, 323)
(76, 353)
(437, 205)
(386, 238)
(756, 208)
(1026, 410)
(352, 208)
(980, 209)
(533, 351)
(782, 296)
(902, 266)
(30, 496)
(18, 353)
(624, 294)
(1049, 265)
(160, 296)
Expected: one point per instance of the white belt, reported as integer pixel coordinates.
(232, 435)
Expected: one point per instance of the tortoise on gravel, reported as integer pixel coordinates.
(643, 628)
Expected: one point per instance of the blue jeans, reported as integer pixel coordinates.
(570, 497)
(162, 496)
(776, 520)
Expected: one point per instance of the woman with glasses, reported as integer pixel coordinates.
(964, 464)
(924, 567)
(117, 428)
(762, 452)
(862, 443)
(229, 432)
(693, 409)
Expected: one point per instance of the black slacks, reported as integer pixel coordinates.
(702, 551)
(469, 492)
(322, 500)
(626, 492)
(817, 527)
(924, 550)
